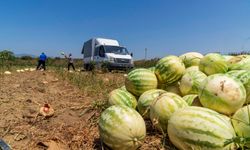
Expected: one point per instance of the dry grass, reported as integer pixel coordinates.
(93, 84)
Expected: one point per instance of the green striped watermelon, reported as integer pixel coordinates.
(235, 59)
(190, 98)
(213, 63)
(169, 69)
(174, 87)
(241, 62)
(146, 99)
(191, 58)
(140, 80)
(198, 128)
(241, 122)
(222, 93)
(244, 77)
(163, 107)
(227, 57)
(190, 82)
(192, 68)
(152, 69)
(122, 128)
(121, 97)
(123, 88)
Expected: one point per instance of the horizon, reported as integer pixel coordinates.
(162, 27)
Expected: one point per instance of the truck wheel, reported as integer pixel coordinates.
(86, 67)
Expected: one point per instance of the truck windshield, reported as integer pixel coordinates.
(116, 50)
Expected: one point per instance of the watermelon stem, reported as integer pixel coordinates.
(146, 111)
(238, 140)
(102, 144)
(240, 121)
(137, 141)
(164, 137)
(202, 89)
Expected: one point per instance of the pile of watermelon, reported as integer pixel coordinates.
(199, 102)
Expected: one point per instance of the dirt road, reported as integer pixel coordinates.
(22, 95)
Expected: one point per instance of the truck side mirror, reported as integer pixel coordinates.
(131, 54)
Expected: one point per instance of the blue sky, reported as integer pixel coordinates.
(162, 26)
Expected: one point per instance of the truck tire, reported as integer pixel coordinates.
(88, 67)
(85, 67)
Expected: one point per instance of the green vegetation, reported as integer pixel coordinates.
(239, 53)
(7, 59)
(146, 63)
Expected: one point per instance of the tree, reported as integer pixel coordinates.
(6, 55)
(6, 58)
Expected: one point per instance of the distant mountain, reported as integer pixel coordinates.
(21, 55)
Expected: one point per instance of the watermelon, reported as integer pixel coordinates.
(123, 88)
(227, 57)
(152, 69)
(174, 87)
(140, 80)
(244, 77)
(213, 63)
(121, 97)
(198, 128)
(192, 68)
(121, 128)
(190, 82)
(241, 62)
(146, 99)
(169, 69)
(190, 98)
(222, 93)
(241, 123)
(191, 59)
(163, 107)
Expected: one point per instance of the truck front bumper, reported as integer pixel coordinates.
(120, 66)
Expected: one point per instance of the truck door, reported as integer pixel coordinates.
(99, 55)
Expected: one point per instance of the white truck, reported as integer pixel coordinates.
(106, 51)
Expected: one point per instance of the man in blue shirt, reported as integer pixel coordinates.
(42, 60)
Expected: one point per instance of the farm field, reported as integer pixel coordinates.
(125, 75)
(169, 104)
(77, 98)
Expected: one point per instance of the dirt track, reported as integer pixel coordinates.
(22, 95)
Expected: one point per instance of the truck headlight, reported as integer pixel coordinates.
(131, 61)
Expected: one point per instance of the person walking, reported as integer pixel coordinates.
(41, 61)
(70, 61)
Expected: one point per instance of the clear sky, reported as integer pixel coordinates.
(162, 26)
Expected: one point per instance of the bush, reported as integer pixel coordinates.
(7, 58)
(26, 58)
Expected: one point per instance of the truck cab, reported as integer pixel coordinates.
(106, 51)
